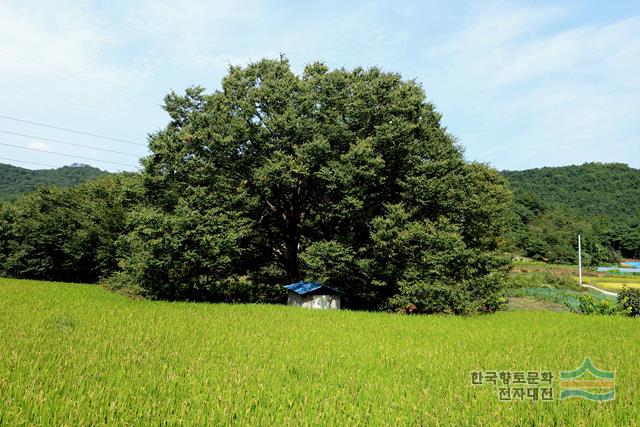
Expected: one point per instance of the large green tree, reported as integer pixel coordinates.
(342, 176)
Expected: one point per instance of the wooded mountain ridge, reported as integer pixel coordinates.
(552, 205)
(15, 181)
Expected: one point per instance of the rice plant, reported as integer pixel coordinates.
(75, 354)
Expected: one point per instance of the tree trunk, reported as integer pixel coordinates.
(293, 238)
(293, 269)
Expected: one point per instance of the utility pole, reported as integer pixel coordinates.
(579, 260)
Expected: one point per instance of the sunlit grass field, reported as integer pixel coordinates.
(614, 284)
(79, 355)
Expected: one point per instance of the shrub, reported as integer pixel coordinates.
(591, 305)
(629, 301)
(483, 295)
(426, 298)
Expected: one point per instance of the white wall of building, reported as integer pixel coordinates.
(314, 301)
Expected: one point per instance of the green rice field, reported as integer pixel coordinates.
(76, 354)
(614, 284)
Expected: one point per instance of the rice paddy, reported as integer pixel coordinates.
(76, 354)
(614, 284)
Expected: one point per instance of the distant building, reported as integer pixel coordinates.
(313, 295)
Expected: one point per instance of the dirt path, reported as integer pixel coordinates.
(612, 294)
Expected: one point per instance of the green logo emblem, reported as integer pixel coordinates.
(588, 382)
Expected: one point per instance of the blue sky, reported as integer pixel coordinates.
(521, 85)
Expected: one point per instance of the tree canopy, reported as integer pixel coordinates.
(342, 176)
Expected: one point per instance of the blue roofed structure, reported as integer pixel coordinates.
(313, 295)
(306, 288)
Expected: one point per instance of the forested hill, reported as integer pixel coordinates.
(15, 181)
(552, 204)
(610, 190)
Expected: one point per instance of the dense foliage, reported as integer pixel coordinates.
(66, 234)
(346, 177)
(553, 205)
(15, 181)
(600, 306)
(629, 301)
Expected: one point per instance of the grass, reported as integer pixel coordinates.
(527, 303)
(558, 269)
(563, 297)
(78, 355)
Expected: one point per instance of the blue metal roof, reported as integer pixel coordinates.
(303, 288)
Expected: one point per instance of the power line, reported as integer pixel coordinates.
(31, 163)
(95, 135)
(67, 143)
(67, 155)
(70, 73)
(24, 58)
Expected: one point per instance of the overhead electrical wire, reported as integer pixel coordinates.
(35, 61)
(67, 143)
(31, 163)
(95, 135)
(67, 155)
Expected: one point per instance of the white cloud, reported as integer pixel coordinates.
(189, 33)
(64, 39)
(38, 145)
(527, 88)
(583, 52)
(200, 34)
(515, 45)
(490, 26)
